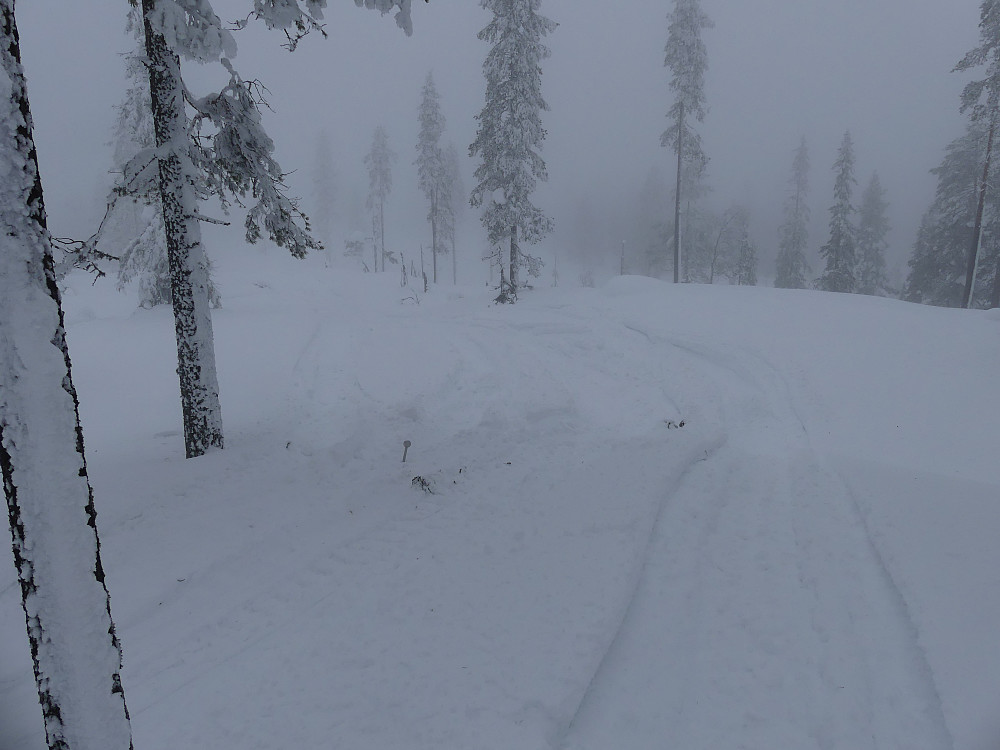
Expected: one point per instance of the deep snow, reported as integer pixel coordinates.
(809, 562)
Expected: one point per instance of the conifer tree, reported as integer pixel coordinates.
(687, 59)
(873, 228)
(840, 250)
(216, 142)
(379, 161)
(981, 99)
(510, 134)
(430, 164)
(75, 652)
(133, 227)
(792, 268)
(939, 262)
(746, 261)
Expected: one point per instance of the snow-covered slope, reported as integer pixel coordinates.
(810, 561)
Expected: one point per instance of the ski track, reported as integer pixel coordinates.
(765, 616)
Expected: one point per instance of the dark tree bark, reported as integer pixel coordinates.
(189, 279)
(74, 649)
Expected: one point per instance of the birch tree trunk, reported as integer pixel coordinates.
(75, 653)
(199, 384)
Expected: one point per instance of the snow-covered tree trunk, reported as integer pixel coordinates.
(76, 655)
(189, 276)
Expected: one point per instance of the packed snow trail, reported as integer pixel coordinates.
(764, 617)
(584, 575)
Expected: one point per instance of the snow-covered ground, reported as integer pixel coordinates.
(810, 561)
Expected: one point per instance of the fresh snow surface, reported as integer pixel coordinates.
(811, 561)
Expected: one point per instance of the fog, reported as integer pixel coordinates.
(778, 70)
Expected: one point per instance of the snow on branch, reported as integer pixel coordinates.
(236, 160)
(192, 29)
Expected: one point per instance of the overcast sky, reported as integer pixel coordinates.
(779, 70)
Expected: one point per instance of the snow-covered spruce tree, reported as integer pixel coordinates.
(324, 187)
(430, 163)
(133, 229)
(792, 268)
(510, 135)
(939, 261)
(379, 161)
(232, 162)
(687, 59)
(981, 98)
(873, 228)
(50, 504)
(840, 250)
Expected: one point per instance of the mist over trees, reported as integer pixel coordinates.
(792, 266)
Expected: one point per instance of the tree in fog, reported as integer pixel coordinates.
(745, 272)
(792, 268)
(215, 145)
(430, 164)
(133, 227)
(687, 59)
(650, 232)
(75, 652)
(379, 161)
(873, 229)
(717, 253)
(840, 250)
(510, 135)
(981, 99)
(939, 262)
(453, 202)
(324, 189)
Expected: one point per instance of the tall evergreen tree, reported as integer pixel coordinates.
(873, 229)
(222, 145)
(510, 134)
(792, 267)
(133, 227)
(939, 262)
(379, 161)
(687, 59)
(430, 163)
(981, 98)
(50, 504)
(840, 250)
(746, 261)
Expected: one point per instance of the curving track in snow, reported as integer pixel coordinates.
(764, 617)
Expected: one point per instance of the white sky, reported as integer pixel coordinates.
(779, 69)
